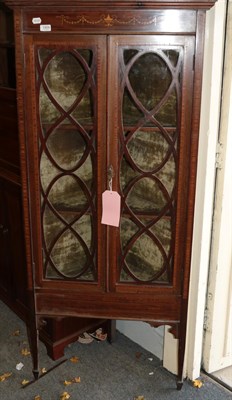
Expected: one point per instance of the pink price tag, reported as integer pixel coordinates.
(111, 204)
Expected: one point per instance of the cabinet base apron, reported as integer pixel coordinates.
(106, 311)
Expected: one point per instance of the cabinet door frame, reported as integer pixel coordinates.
(105, 281)
(187, 137)
(64, 43)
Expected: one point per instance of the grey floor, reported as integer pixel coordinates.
(224, 375)
(121, 371)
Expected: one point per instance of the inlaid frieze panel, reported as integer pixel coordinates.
(111, 20)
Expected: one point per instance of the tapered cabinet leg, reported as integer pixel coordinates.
(33, 338)
(179, 382)
(181, 353)
(111, 330)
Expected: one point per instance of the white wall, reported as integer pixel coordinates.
(209, 127)
(210, 112)
(146, 336)
(217, 348)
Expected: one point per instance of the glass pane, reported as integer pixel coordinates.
(127, 173)
(127, 229)
(44, 54)
(52, 226)
(48, 112)
(147, 148)
(167, 175)
(144, 259)
(67, 195)
(87, 275)
(150, 72)
(148, 169)
(52, 273)
(146, 196)
(163, 231)
(172, 55)
(131, 112)
(83, 113)
(68, 255)
(85, 172)
(87, 55)
(67, 243)
(65, 78)
(167, 114)
(64, 81)
(66, 145)
(129, 54)
(84, 228)
(48, 171)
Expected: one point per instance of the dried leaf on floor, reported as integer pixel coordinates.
(37, 397)
(67, 383)
(74, 359)
(65, 396)
(5, 376)
(25, 382)
(74, 380)
(16, 333)
(25, 352)
(139, 398)
(138, 355)
(197, 383)
(77, 380)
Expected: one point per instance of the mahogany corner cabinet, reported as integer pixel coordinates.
(109, 103)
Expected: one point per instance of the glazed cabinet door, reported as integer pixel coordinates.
(109, 102)
(66, 88)
(150, 100)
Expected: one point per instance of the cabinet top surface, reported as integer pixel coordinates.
(143, 4)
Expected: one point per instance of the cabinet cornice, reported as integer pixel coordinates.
(146, 4)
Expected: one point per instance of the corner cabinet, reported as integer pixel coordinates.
(109, 99)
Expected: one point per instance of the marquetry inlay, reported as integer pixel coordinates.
(107, 20)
